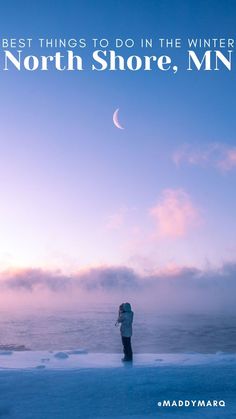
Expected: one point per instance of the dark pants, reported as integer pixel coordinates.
(127, 348)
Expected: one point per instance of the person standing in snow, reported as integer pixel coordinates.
(125, 319)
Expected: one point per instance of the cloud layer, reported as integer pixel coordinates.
(102, 278)
(180, 288)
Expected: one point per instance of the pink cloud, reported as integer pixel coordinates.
(175, 214)
(215, 155)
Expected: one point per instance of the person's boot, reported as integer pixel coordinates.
(125, 359)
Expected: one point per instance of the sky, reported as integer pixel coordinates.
(78, 193)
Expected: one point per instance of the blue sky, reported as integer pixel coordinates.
(76, 191)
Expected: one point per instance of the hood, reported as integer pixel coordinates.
(126, 307)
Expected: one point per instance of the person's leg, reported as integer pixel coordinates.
(129, 349)
(124, 346)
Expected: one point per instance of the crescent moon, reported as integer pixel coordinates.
(116, 119)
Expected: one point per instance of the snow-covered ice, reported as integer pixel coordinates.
(78, 359)
(74, 384)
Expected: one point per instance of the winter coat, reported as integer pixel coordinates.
(126, 319)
